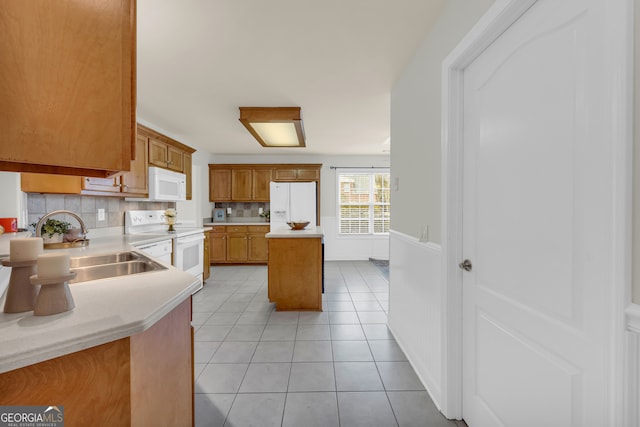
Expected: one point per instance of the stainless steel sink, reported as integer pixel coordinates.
(112, 265)
(86, 261)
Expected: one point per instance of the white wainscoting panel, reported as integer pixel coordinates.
(415, 308)
(337, 248)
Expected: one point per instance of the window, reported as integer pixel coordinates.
(363, 202)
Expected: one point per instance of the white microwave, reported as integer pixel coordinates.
(166, 185)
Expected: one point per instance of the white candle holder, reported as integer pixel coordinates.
(21, 296)
(54, 296)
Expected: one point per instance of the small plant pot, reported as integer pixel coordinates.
(56, 238)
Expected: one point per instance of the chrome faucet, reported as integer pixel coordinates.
(50, 214)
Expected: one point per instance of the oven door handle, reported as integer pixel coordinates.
(189, 239)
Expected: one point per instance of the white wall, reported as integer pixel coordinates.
(415, 306)
(14, 201)
(336, 247)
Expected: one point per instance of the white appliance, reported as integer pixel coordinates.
(292, 201)
(161, 251)
(187, 242)
(165, 186)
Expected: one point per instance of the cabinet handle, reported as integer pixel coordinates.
(169, 163)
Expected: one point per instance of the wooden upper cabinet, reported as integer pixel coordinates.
(297, 173)
(67, 86)
(261, 185)
(188, 172)
(165, 156)
(251, 182)
(136, 181)
(241, 185)
(219, 185)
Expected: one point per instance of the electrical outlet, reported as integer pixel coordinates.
(100, 214)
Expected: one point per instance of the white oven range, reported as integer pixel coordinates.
(188, 242)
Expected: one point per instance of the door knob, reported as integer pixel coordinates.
(466, 265)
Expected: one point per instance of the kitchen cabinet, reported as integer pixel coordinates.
(165, 156)
(241, 185)
(207, 263)
(238, 244)
(188, 171)
(68, 86)
(261, 179)
(257, 246)
(134, 183)
(250, 182)
(219, 185)
(218, 245)
(145, 379)
(167, 153)
(295, 273)
(294, 173)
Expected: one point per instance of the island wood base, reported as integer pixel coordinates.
(295, 273)
(142, 380)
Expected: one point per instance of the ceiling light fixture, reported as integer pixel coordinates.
(274, 126)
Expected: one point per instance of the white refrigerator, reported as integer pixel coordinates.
(292, 201)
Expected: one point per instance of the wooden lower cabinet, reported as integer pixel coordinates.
(237, 247)
(206, 273)
(238, 244)
(145, 379)
(295, 273)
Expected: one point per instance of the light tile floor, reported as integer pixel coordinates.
(340, 367)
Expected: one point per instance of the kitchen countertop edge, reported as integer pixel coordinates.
(106, 310)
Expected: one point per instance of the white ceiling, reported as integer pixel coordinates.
(199, 60)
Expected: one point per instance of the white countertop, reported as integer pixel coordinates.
(286, 232)
(106, 309)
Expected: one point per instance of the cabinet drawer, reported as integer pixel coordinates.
(258, 228)
(236, 228)
(219, 229)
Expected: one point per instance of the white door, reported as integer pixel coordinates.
(537, 223)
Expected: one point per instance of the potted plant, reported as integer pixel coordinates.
(52, 230)
(266, 215)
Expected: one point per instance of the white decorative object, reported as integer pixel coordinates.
(25, 249)
(21, 296)
(53, 276)
(53, 265)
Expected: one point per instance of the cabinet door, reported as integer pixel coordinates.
(285, 174)
(136, 181)
(261, 181)
(67, 86)
(237, 247)
(308, 174)
(241, 180)
(157, 153)
(186, 169)
(105, 185)
(174, 159)
(207, 257)
(217, 247)
(219, 185)
(257, 248)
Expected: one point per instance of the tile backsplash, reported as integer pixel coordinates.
(244, 209)
(87, 208)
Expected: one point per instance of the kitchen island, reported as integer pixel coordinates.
(295, 268)
(122, 356)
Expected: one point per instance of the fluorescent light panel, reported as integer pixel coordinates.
(274, 126)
